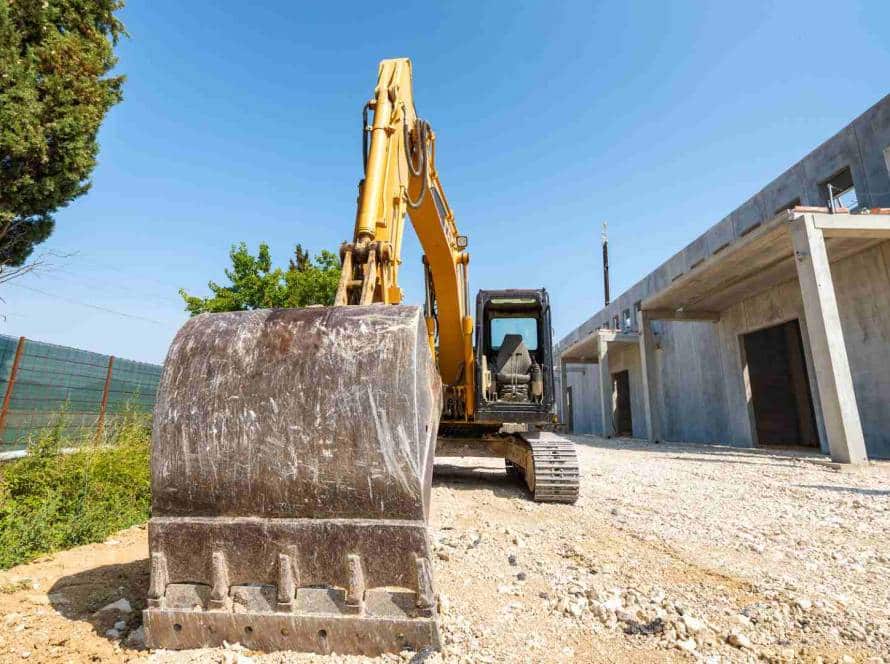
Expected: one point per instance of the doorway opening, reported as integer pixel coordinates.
(622, 422)
(781, 401)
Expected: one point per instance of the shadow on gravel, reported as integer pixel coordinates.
(736, 461)
(474, 478)
(83, 595)
(768, 454)
(847, 489)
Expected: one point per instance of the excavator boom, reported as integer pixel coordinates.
(401, 178)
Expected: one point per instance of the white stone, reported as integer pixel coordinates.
(576, 607)
(693, 625)
(120, 625)
(122, 606)
(613, 603)
(112, 633)
(688, 645)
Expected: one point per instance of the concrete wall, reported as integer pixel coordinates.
(689, 382)
(700, 383)
(584, 381)
(864, 283)
(769, 308)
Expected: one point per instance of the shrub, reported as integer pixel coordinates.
(51, 500)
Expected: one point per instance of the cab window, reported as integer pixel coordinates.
(527, 328)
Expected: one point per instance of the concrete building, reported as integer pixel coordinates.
(771, 328)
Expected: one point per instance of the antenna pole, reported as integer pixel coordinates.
(605, 239)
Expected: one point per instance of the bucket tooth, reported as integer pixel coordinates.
(355, 593)
(219, 592)
(157, 587)
(292, 459)
(287, 586)
(426, 600)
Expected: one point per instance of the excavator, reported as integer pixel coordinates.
(292, 449)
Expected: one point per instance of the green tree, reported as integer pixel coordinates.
(311, 282)
(54, 94)
(255, 284)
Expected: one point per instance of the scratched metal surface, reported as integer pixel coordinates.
(322, 412)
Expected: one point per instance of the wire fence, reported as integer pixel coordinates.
(44, 385)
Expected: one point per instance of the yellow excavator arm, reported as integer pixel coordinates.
(401, 178)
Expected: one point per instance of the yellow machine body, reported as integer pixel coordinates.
(292, 449)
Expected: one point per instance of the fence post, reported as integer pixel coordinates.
(100, 426)
(19, 349)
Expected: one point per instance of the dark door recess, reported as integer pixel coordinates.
(780, 388)
(621, 418)
(570, 415)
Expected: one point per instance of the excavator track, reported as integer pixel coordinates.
(555, 475)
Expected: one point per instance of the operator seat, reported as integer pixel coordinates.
(513, 362)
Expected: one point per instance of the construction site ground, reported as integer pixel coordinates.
(672, 553)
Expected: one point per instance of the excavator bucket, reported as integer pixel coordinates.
(292, 459)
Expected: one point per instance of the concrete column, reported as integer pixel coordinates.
(563, 393)
(839, 409)
(605, 388)
(647, 366)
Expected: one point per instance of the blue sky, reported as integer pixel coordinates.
(242, 123)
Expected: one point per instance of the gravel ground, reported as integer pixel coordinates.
(673, 553)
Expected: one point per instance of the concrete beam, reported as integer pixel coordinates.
(618, 337)
(865, 226)
(605, 387)
(840, 412)
(647, 366)
(583, 351)
(682, 314)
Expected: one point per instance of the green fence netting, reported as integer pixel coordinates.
(54, 382)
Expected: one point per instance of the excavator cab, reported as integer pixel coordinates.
(514, 356)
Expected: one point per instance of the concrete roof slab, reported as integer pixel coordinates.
(762, 259)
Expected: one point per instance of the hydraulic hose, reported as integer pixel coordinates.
(421, 169)
(366, 130)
